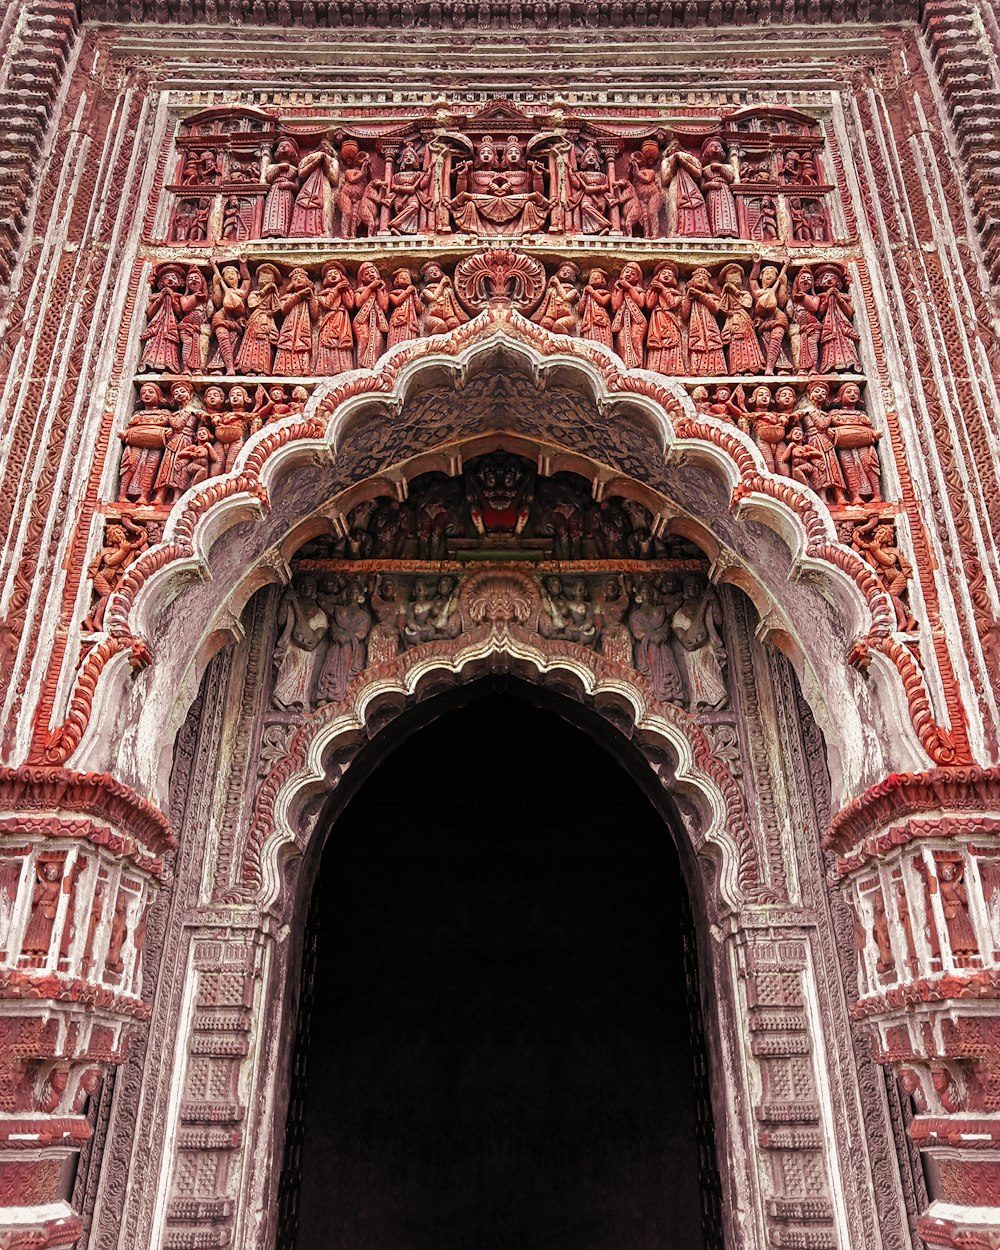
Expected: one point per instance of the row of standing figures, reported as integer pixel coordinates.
(742, 323)
(667, 627)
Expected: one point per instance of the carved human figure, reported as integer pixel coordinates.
(700, 310)
(874, 540)
(717, 178)
(144, 438)
(696, 627)
(409, 187)
(946, 1088)
(766, 227)
(119, 932)
(738, 332)
(590, 188)
(354, 177)
(433, 611)
(681, 171)
(595, 319)
(404, 300)
(195, 327)
(230, 291)
(386, 603)
(499, 192)
(44, 905)
(557, 311)
(437, 508)
(855, 440)
(303, 626)
(797, 459)
(767, 426)
(231, 424)
(87, 1087)
(371, 299)
(444, 313)
(300, 308)
(644, 170)
(53, 1090)
(797, 168)
(838, 338)
(955, 905)
(903, 912)
(93, 923)
(567, 611)
(885, 961)
(282, 178)
(234, 228)
(804, 326)
(319, 172)
(200, 460)
(649, 625)
(335, 338)
(628, 299)
(609, 614)
(625, 209)
(664, 342)
(256, 354)
(183, 421)
(162, 333)
(769, 288)
(827, 478)
(350, 620)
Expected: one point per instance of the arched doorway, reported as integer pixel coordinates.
(501, 1044)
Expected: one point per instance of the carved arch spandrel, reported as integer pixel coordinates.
(774, 538)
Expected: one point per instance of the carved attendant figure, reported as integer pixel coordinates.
(804, 327)
(195, 328)
(699, 309)
(556, 311)
(696, 628)
(162, 332)
(353, 181)
(644, 169)
(769, 289)
(335, 340)
(827, 478)
(855, 440)
(717, 178)
(283, 178)
(443, 310)
(303, 625)
(649, 624)
(893, 568)
(230, 290)
(370, 325)
(299, 306)
(404, 320)
(664, 300)
(955, 905)
(122, 544)
(144, 437)
(349, 623)
(44, 904)
(837, 350)
(261, 335)
(738, 333)
(183, 423)
(318, 170)
(628, 298)
(681, 170)
(595, 319)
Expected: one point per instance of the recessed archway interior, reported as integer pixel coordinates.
(502, 1038)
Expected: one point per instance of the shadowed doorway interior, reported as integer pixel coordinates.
(497, 1049)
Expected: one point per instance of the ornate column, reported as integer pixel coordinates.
(919, 860)
(80, 857)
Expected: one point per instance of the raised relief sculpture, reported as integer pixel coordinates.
(302, 626)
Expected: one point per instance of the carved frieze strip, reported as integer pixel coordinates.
(971, 1132)
(981, 985)
(41, 830)
(16, 984)
(963, 791)
(943, 829)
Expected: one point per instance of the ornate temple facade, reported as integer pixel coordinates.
(356, 353)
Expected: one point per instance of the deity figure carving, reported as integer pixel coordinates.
(855, 440)
(955, 906)
(628, 299)
(717, 178)
(387, 607)
(664, 342)
(769, 289)
(371, 300)
(681, 171)
(444, 313)
(649, 624)
(610, 610)
(319, 172)
(335, 338)
(162, 333)
(562, 516)
(349, 621)
(644, 170)
(500, 493)
(408, 188)
(194, 327)
(874, 540)
(230, 292)
(838, 338)
(300, 308)
(183, 421)
(404, 300)
(256, 354)
(144, 438)
(283, 180)
(595, 319)
(500, 192)
(354, 178)
(566, 611)
(695, 625)
(590, 192)
(303, 626)
(557, 311)
(44, 905)
(804, 327)
(700, 309)
(827, 477)
(433, 611)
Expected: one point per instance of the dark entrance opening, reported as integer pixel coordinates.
(497, 1051)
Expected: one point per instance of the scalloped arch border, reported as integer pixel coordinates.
(793, 512)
